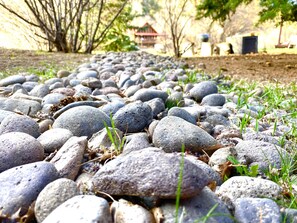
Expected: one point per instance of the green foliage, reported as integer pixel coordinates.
(116, 141)
(116, 39)
(219, 10)
(150, 7)
(179, 183)
(281, 10)
(243, 170)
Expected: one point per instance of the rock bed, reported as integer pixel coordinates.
(58, 163)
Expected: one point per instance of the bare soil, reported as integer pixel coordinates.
(280, 68)
(255, 67)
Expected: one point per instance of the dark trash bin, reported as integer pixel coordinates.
(249, 44)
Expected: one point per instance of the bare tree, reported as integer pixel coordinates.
(175, 20)
(69, 25)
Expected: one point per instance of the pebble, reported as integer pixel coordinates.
(257, 210)
(173, 132)
(53, 139)
(69, 158)
(202, 89)
(20, 123)
(133, 117)
(17, 148)
(82, 120)
(21, 185)
(81, 209)
(139, 174)
(54, 194)
(246, 187)
(14, 79)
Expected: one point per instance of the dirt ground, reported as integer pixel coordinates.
(261, 67)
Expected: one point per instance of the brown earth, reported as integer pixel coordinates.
(261, 67)
(280, 68)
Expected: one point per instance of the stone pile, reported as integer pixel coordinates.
(59, 164)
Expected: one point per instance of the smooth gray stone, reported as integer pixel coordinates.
(56, 86)
(136, 142)
(27, 107)
(124, 211)
(249, 152)
(20, 123)
(196, 209)
(157, 105)
(247, 187)
(132, 90)
(53, 139)
(17, 148)
(21, 185)
(182, 113)
(87, 74)
(82, 120)
(202, 89)
(32, 78)
(92, 83)
(29, 85)
(53, 80)
(52, 98)
(149, 94)
(69, 158)
(14, 79)
(213, 100)
(4, 114)
(112, 107)
(94, 104)
(82, 89)
(172, 132)
(257, 136)
(81, 209)
(133, 117)
(54, 194)
(256, 210)
(149, 172)
(40, 91)
(217, 119)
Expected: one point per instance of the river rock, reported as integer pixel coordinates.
(54, 139)
(54, 194)
(27, 107)
(52, 98)
(182, 113)
(20, 123)
(82, 120)
(139, 174)
(136, 141)
(81, 209)
(157, 105)
(17, 148)
(197, 208)
(247, 187)
(133, 117)
(126, 212)
(145, 94)
(21, 185)
(202, 89)
(213, 100)
(256, 210)
(68, 159)
(249, 152)
(14, 79)
(4, 114)
(172, 132)
(86, 74)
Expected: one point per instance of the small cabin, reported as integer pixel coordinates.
(146, 36)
